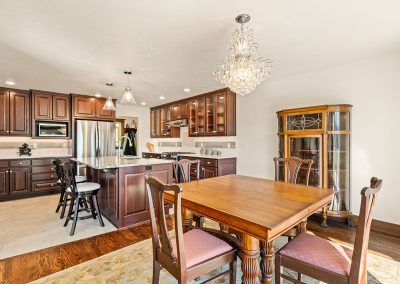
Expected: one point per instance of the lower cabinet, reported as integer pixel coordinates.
(20, 180)
(210, 168)
(25, 178)
(4, 182)
(122, 197)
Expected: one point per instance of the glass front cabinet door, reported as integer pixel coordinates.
(323, 134)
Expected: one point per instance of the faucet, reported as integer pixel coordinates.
(119, 144)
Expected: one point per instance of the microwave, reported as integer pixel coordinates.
(48, 129)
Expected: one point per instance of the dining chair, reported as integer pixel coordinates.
(182, 173)
(293, 166)
(189, 255)
(63, 200)
(78, 192)
(328, 261)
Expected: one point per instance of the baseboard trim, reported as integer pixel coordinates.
(382, 227)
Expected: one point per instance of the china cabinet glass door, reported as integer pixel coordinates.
(197, 117)
(210, 118)
(220, 110)
(307, 147)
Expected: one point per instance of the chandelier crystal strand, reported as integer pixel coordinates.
(109, 104)
(243, 69)
(127, 97)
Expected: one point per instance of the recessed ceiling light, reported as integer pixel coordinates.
(186, 90)
(162, 98)
(143, 103)
(98, 95)
(9, 82)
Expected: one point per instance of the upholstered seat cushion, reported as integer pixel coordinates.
(86, 186)
(319, 252)
(201, 246)
(78, 179)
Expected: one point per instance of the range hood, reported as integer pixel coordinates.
(177, 123)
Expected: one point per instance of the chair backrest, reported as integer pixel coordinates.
(292, 166)
(358, 263)
(59, 172)
(182, 169)
(69, 176)
(162, 246)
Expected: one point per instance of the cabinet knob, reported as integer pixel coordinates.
(214, 131)
(11, 131)
(20, 163)
(208, 163)
(11, 171)
(51, 176)
(52, 169)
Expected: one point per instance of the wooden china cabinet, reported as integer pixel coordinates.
(323, 134)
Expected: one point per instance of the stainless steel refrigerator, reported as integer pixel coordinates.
(94, 139)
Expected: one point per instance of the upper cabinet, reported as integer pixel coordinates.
(91, 108)
(50, 106)
(210, 114)
(15, 113)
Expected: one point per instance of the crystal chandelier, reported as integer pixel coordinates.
(109, 104)
(127, 97)
(243, 69)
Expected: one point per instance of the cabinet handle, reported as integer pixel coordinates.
(208, 163)
(52, 169)
(51, 176)
(10, 171)
(20, 163)
(11, 131)
(214, 131)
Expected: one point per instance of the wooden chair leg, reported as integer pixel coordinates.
(91, 204)
(71, 205)
(64, 205)
(233, 268)
(96, 205)
(60, 201)
(76, 212)
(277, 269)
(156, 272)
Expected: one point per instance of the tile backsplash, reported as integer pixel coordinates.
(10, 145)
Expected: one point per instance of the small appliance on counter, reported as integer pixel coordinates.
(25, 150)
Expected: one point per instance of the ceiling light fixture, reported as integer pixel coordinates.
(109, 104)
(186, 90)
(243, 69)
(162, 98)
(143, 103)
(127, 97)
(9, 82)
(97, 95)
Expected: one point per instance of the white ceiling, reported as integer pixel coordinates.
(75, 46)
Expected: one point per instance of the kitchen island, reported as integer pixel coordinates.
(122, 197)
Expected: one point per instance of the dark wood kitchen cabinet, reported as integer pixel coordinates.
(220, 110)
(180, 110)
(15, 112)
(108, 195)
(197, 117)
(4, 182)
(20, 180)
(50, 106)
(210, 167)
(91, 108)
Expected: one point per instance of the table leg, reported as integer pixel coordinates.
(302, 227)
(250, 250)
(187, 219)
(267, 261)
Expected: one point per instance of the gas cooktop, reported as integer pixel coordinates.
(173, 155)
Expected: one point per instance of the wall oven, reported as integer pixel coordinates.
(49, 129)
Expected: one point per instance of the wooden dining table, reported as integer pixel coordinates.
(259, 209)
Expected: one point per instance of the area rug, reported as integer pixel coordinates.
(133, 264)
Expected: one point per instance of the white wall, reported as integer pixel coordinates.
(143, 125)
(372, 86)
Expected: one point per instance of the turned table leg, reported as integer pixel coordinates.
(302, 227)
(187, 219)
(324, 214)
(250, 250)
(267, 261)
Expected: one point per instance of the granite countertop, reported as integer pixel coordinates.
(16, 156)
(223, 156)
(112, 162)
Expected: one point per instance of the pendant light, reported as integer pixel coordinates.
(127, 97)
(109, 105)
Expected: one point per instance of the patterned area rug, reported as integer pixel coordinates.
(133, 264)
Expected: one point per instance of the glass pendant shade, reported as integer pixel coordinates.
(109, 104)
(243, 69)
(127, 97)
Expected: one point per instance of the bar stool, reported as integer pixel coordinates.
(182, 170)
(78, 192)
(63, 201)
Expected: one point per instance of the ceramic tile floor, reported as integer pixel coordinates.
(31, 224)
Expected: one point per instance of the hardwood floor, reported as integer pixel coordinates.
(32, 266)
